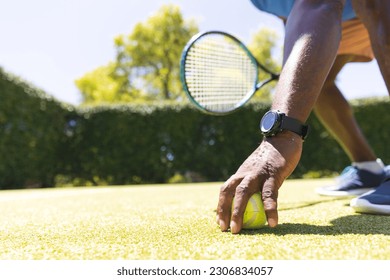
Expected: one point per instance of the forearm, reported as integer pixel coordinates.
(312, 38)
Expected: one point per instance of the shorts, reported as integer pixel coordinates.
(354, 40)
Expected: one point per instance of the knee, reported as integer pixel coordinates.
(374, 14)
(328, 86)
(329, 93)
(380, 33)
(383, 33)
(368, 9)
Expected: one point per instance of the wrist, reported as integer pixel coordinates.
(274, 122)
(286, 135)
(284, 141)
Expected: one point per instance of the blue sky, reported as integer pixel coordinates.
(51, 43)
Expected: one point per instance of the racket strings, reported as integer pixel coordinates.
(219, 73)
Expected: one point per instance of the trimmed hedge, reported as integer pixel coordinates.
(133, 144)
(31, 134)
(44, 142)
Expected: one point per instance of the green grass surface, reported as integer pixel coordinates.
(178, 222)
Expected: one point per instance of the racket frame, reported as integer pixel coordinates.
(257, 85)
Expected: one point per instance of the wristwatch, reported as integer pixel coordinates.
(274, 122)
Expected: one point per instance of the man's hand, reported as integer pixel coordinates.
(264, 170)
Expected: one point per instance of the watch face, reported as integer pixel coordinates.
(268, 121)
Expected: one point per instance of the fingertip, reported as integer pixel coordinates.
(234, 227)
(223, 225)
(271, 212)
(272, 222)
(272, 216)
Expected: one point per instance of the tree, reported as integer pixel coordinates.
(101, 85)
(147, 68)
(147, 62)
(149, 56)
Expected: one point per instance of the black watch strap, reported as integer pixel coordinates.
(294, 125)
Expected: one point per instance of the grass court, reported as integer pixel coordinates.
(170, 222)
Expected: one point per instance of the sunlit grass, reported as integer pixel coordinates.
(178, 222)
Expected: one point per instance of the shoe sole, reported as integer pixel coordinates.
(356, 192)
(364, 206)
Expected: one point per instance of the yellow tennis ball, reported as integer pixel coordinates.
(254, 215)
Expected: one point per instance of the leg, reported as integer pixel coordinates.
(375, 16)
(336, 115)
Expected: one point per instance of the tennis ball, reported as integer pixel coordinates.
(254, 215)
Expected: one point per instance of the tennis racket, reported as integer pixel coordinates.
(219, 74)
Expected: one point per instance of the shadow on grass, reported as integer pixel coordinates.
(298, 205)
(352, 224)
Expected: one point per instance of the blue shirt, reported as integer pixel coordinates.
(282, 8)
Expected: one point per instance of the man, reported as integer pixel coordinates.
(313, 33)
(366, 171)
